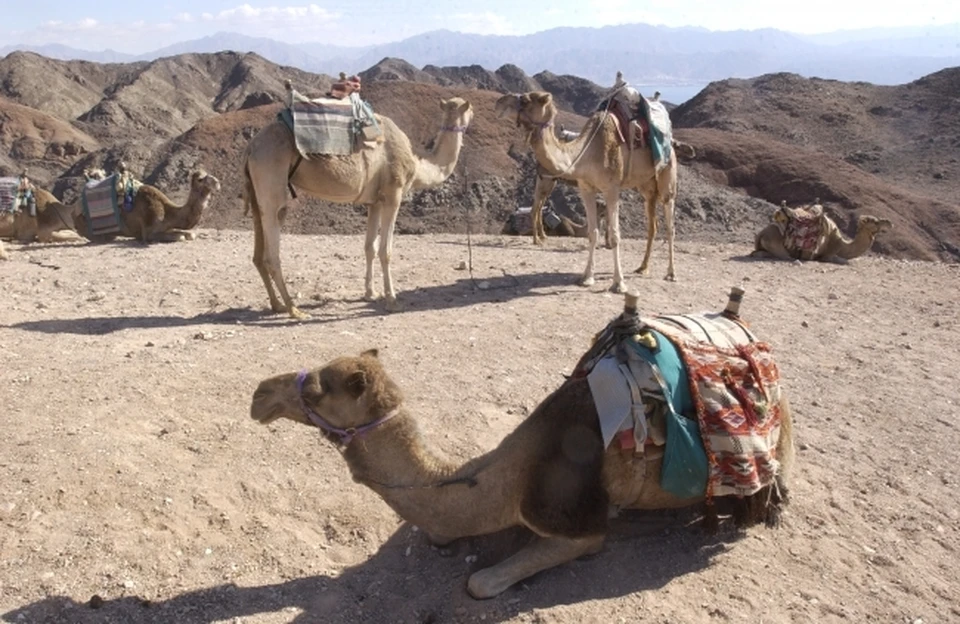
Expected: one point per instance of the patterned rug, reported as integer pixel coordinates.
(8, 194)
(100, 206)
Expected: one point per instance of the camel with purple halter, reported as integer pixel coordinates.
(551, 475)
(599, 164)
(377, 176)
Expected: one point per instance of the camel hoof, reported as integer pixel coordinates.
(370, 296)
(278, 307)
(483, 585)
(670, 277)
(587, 281)
(393, 305)
(642, 270)
(296, 313)
(618, 287)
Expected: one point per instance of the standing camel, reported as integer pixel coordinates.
(377, 176)
(599, 164)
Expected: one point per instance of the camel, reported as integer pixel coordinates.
(378, 176)
(826, 244)
(550, 475)
(153, 216)
(53, 221)
(599, 164)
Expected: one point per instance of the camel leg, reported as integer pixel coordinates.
(770, 240)
(541, 191)
(3, 253)
(370, 249)
(668, 207)
(271, 258)
(258, 262)
(539, 555)
(589, 198)
(613, 237)
(650, 204)
(388, 220)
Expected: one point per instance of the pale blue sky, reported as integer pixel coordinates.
(135, 26)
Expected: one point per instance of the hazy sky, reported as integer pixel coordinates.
(134, 26)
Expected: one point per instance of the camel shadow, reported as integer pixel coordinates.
(471, 290)
(103, 325)
(523, 243)
(407, 580)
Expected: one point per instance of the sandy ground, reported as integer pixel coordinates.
(131, 470)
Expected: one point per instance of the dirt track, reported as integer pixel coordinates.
(132, 471)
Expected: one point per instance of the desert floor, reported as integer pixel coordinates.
(132, 471)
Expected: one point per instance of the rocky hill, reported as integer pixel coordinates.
(861, 148)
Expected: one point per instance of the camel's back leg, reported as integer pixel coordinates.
(541, 554)
(668, 213)
(589, 197)
(268, 195)
(770, 240)
(541, 192)
(650, 207)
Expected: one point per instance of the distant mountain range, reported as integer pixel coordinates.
(651, 55)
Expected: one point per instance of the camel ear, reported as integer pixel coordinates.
(370, 353)
(542, 98)
(356, 383)
(444, 103)
(464, 107)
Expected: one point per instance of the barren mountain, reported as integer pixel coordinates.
(861, 148)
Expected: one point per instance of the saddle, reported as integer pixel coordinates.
(802, 228)
(344, 87)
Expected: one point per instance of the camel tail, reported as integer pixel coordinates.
(248, 196)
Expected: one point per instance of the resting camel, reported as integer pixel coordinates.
(377, 176)
(154, 217)
(599, 164)
(550, 475)
(53, 221)
(826, 242)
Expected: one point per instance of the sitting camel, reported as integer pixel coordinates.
(810, 234)
(52, 222)
(152, 216)
(599, 164)
(378, 176)
(552, 474)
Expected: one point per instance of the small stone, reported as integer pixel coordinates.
(804, 324)
(129, 584)
(470, 558)
(408, 551)
(462, 266)
(484, 285)
(149, 344)
(833, 296)
(95, 601)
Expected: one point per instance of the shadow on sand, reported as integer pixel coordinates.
(464, 292)
(408, 581)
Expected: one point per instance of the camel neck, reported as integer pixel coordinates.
(860, 244)
(436, 495)
(188, 215)
(435, 168)
(556, 157)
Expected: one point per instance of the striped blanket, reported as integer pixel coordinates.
(735, 386)
(100, 206)
(329, 126)
(8, 194)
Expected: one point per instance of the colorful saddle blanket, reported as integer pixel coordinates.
(703, 387)
(802, 229)
(329, 125)
(100, 206)
(652, 128)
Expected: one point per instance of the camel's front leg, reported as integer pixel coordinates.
(539, 555)
(541, 192)
(589, 197)
(650, 204)
(370, 249)
(613, 237)
(388, 220)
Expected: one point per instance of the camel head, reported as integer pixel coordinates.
(534, 110)
(873, 225)
(204, 182)
(346, 394)
(457, 114)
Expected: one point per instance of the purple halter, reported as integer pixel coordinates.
(346, 435)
